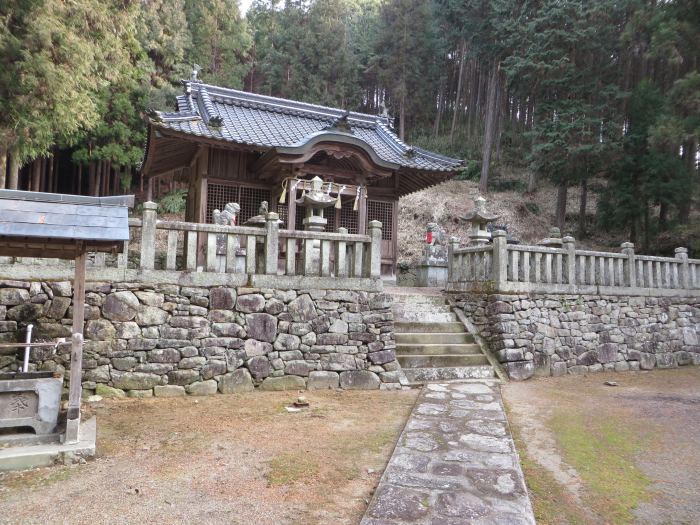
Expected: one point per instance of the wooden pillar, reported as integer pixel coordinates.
(362, 212)
(75, 385)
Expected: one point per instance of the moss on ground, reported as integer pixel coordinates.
(289, 468)
(603, 451)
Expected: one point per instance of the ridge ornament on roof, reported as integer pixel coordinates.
(250, 119)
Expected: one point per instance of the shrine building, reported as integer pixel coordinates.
(232, 146)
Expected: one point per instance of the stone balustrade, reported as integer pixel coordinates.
(509, 268)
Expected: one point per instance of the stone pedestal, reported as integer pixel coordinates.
(432, 275)
(30, 400)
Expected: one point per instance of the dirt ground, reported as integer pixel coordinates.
(240, 459)
(594, 453)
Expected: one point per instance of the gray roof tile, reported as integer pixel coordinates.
(268, 122)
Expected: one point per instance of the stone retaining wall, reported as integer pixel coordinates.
(577, 334)
(167, 339)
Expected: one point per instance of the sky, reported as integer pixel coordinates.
(245, 4)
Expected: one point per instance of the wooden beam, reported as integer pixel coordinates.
(75, 385)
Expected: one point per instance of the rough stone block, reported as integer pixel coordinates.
(297, 368)
(259, 367)
(262, 327)
(302, 308)
(236, 382)
(382, 357)
(283, 383)
(134, 380)
(108, 391)
(359, 380)
(140, 394)
(202, 388)
(120, 306)
(287, 342)
(182, 377)
(169, 391)
(250, 303)
(323, 380)
(520, 370)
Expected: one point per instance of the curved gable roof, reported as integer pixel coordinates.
(268, 122)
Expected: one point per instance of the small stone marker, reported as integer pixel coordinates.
(610, 383)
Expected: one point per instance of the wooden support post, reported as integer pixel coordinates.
(148, 235)
(75, 384)
(272, 242)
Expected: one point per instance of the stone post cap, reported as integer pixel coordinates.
(568, 239)
(150, 205)
(680, 250)
(272, 216)
(342, 230)
(375, 224)
(499, 233)
(627, 246)
(454, 240)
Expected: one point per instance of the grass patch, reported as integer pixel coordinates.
(288, 468)
(551, 502)
(603, 453)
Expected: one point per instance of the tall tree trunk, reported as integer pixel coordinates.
(690, 151)
(532, 181)
(50, 184)
(3, 168)
(13, 172)
(36, 175)
(92, 176)
(441, 105)
(402, 118)
(562, 194)
(458, 97)
(582, 210)
(490, 129)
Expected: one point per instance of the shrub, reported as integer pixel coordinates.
(173, 202)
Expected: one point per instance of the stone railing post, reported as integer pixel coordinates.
(375, 249)
(451, 247)
(148, 235)
(684, 274)
(341, 263)
(569, 244)
(272, 242)
(500, 259)
(631, 266)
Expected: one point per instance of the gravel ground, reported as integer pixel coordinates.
(663, 405)
(221, 459)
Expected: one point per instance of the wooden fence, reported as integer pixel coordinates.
(503, 267)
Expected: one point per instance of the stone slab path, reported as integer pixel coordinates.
(454, 463)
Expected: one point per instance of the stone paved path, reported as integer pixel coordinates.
(455, 463)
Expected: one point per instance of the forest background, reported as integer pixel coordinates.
(602, 95)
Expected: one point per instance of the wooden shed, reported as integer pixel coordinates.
(234, 146)
(48, 225)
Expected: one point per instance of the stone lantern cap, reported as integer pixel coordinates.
(554, 239)
(479, 214)
(316, 198)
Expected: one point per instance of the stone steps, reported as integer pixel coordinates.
(443, 328)
(438, 349)
(431, 345)
(455, 373)
(441, 361)
(414, 338)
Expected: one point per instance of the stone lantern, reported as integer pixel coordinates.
(315, 201)
(479, 219)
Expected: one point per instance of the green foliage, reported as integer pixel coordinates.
(173, 202)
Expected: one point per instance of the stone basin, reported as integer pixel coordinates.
(30, 399)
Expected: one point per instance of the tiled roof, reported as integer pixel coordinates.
(268, 122)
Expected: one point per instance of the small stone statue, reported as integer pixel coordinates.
(263, 208)
(435, 251)
(228, 217)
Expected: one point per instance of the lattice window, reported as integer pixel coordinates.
(383, 212)
(218, 195)
(348, 217)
